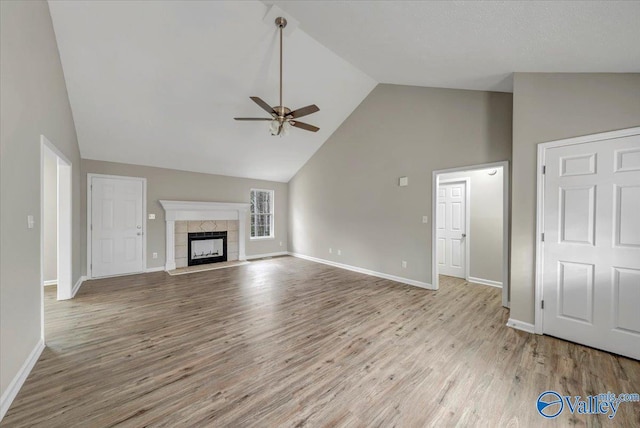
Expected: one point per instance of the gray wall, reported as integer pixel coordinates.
(50, 217)
(33, 101)
(190, 186)
(486, 228)
(547, 107)
(347, 196)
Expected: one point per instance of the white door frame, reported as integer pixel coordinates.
(542, 147)
(143, 180)
(64, 255)
(467, 218)
(435, 181)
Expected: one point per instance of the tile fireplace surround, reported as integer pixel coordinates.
(184, 228)
(183, 217)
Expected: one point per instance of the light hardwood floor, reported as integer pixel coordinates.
(288, 342)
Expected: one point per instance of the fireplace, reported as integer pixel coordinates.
(206, 247)
(183, 217)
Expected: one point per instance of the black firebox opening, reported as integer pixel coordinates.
(206, 247)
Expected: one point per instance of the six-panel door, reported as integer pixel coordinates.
(451, 229)
(591, 248)
(116, 226)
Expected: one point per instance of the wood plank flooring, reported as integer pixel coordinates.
(288, 342)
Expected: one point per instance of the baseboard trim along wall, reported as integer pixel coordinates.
(14, 387)
(155, 269)
(50, 282)
(492, 283)
(77, 286)
(366, 271)
(521, 325)
(262, 256)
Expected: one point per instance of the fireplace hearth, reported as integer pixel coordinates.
(206, 247)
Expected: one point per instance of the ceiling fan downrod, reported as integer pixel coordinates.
(281, 23)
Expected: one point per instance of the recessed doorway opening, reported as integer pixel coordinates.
(55, 214)
(470, 227)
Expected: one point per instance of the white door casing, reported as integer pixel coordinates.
(116, 227)
(505, 223)
(590, 253)
(451, 228)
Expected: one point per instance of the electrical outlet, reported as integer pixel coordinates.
(30, 222)
(330, 250)
(339, 252)
(154, 255)
(404, 264)
(152, 216)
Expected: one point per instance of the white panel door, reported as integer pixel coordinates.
(591, 248)
(116, 226)
(451, 229)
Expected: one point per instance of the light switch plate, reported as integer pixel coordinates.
(425, 219)
(404, 181)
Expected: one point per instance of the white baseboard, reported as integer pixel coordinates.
(50, 282)
(482, 281)
(77, 286)
(14, 387)
(155, 269)
(366, 271)
(262, 256)
(521, 325)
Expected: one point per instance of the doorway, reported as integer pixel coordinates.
(588, 241)
(452, 218)
(116, 212)
(55, 258)
(470, 227)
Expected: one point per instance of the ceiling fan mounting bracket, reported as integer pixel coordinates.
(281, 22)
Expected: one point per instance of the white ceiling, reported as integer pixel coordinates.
(159, 82)
(474, 44)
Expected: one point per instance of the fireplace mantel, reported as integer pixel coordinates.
(192, 210)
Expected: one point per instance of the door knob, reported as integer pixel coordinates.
(139, 227)
(464, 235)
(139, 233)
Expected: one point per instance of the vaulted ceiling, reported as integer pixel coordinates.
(159, 82)
(474, 44)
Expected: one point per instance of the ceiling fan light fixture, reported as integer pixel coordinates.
(282, 118)
(286, 127)
(274, 127)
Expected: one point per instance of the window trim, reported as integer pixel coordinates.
(272, 213)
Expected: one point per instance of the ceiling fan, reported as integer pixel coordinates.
(282, 118)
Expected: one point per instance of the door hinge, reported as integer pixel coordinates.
(542, 304)
(542, 237)
(544, 169)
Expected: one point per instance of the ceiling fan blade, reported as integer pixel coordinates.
(266, 107)
(252, 118)
(304, 111)
(304, 126)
